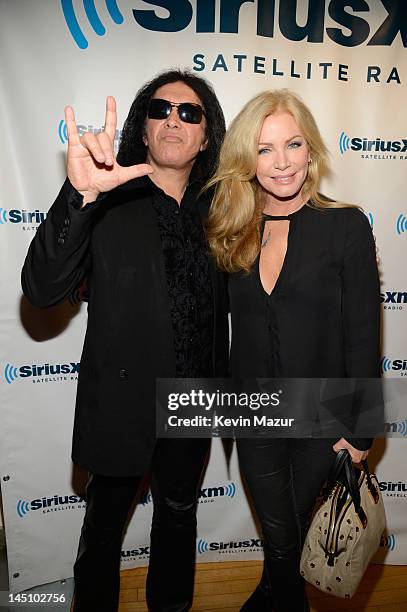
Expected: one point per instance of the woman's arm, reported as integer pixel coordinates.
(360, 311)
(361, 299)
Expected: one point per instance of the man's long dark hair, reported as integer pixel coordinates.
(132, 149)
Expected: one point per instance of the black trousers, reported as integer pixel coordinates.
(177, 467)
(284, 477)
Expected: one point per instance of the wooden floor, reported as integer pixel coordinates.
(225, 586)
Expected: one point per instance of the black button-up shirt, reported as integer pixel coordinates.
(186, 260)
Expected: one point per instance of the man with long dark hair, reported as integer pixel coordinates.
(132, 227)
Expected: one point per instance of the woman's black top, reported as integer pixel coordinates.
(322, 319)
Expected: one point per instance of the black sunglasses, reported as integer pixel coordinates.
(187, 111)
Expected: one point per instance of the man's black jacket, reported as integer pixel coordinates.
(116, 245)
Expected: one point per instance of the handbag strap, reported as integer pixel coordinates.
(371, 486)
(352, 478)
(343, 472)
(336, 469)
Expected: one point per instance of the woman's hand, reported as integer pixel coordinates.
(91, 163)
(356, 454)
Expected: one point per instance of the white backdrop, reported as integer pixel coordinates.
(350, 68)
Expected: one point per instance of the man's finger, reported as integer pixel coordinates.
(71, 129)
(132, 172)
(91, 143)
(107, 147)
(111, 117)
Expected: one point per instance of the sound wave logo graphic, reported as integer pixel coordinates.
(402, 428)
(92, 16)
(3, 216)
(62, 131)
(10, 373)
(230, 489)
(22, 508)
(401, 224)
(146, 499)
(344, 141)
(388, 541)
(398, 428)
(369, 215)
(203, 546)
(385, 364)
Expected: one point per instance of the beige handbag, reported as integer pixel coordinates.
(345, 531)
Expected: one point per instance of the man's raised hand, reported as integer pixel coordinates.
(91, 163)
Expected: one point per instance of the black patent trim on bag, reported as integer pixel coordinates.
(343, 479)
(344, 473)
(341, 500)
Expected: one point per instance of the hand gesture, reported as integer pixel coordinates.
(91, 163)
(356, 454)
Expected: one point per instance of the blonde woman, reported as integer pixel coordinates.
(304, 298)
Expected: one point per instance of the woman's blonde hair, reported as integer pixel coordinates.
(233, 226)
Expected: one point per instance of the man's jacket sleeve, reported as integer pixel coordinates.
(58, 256)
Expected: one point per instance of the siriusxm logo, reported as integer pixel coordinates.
(205, 495)
(49, 504)
(401, 224)
(11, 372)
(15, 215)
(388, 541)
(209, 493)
(393, 300)
(393, 489)
(395, 365)
(253, 543)
(63, 134)
(142, 551)
(376, 145)
(394, 297)
(227, 14)
(398, 428)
